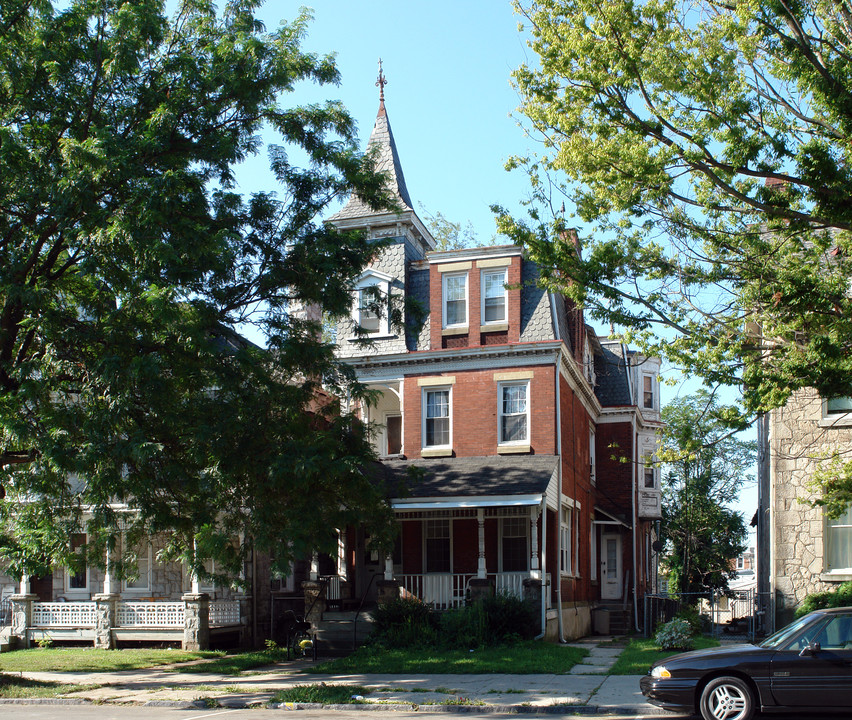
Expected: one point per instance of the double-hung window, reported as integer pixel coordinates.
(650, 472)
(565, 536)
(514, 414)
(141, 581)
(839, 542)
(648, 392)
(78, 579)
(514, 553)
(493, 297)
(437, 546)
(455, 300)
(369, 308)
(436, 417)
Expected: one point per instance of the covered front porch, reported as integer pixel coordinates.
(472, 526)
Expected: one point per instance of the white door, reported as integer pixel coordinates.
(610, 567)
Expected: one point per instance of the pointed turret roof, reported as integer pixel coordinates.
(387, 161)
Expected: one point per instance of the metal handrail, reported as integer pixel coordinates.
(358, 612)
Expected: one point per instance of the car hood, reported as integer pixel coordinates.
(720, 654)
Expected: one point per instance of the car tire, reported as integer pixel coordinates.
(727, 698)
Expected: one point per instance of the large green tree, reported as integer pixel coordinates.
(128, 258)
(705, 150)
(704, 472)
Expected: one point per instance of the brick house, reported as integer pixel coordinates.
(500, 417)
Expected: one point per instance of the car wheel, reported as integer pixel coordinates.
(727, 698)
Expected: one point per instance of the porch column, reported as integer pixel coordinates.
(535, 571)
(106, 618)
(25, 584)
(341, 554)
(480, 568)
(388, 566)
(22, 615)
(196, 621)
(107, 589)
(314, 572)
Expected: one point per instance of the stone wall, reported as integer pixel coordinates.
(800, 439)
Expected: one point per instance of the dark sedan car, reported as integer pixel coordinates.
(807, 666)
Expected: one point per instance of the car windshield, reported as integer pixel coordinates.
(784, 635)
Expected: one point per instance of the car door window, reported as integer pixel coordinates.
(836, 634)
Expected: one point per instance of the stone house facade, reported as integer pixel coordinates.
(800, 551)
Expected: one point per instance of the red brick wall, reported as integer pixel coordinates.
(614, 459)
(474, 276)
(474, 412)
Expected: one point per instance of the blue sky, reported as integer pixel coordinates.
(449, 98)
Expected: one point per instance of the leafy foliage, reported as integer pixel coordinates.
(494, 620)
(705, 465)
(127, 258)
(839, 597)
(705, 149)
(675, 635)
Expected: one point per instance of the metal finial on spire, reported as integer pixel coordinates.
(381, 82)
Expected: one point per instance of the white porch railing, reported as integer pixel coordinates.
(64, 614)
(446, 590)
(332, 591)
(224, 612)
(151, 614)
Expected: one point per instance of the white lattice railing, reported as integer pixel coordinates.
(64, 614)
(332, 591)
(446, 590)
(224, 612)
(151, 614)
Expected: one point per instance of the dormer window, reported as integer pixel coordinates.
(494, 296)
(455, 300)
(370, 308)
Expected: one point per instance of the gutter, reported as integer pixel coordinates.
(543, 568)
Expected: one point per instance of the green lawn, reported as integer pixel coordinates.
(325, 694)
(639, 655)
(523, 658)
(235, 664)
(94, 660)
(18, 687)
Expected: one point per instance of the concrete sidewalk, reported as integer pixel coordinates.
(586, 688)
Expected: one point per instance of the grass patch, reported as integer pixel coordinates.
(235, 664)
(639, 655)
(522, 658)
(93, 659)
(18, 687)
(322, 693)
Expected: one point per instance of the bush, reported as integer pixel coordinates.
(675, 635)
(691, 615)
(496, 620)
(841, 597)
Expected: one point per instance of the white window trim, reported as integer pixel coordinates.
(525, 442)
(566, 518)
(425, 390)
(829, 571)
(78, 592)
(444, 278)
(593, 553)
(505, 318)
(833, 419)
(208, 586)
(373, 278)
(654, 392)
(146, 590)
(648, 464)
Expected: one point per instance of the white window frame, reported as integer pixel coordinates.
(445, 278)
(500, 388)
(593, 552)
(503, 273)
(83, 591)
(208, 586)
(382, 281)
(832, 419)
(566, 519)
(652, 380)
(129, 589)
(648, 466)
(831, 525)
(424, 404)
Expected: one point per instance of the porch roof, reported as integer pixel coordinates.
(470, 481)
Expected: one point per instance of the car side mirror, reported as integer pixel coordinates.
(810, 650)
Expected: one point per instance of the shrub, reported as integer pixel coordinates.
(690, 614)
(841, 597)
(405, 622)
(675, 635)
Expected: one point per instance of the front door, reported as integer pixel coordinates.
(610, 567)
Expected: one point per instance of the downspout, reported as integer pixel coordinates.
(634, 523)
(560, 621)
